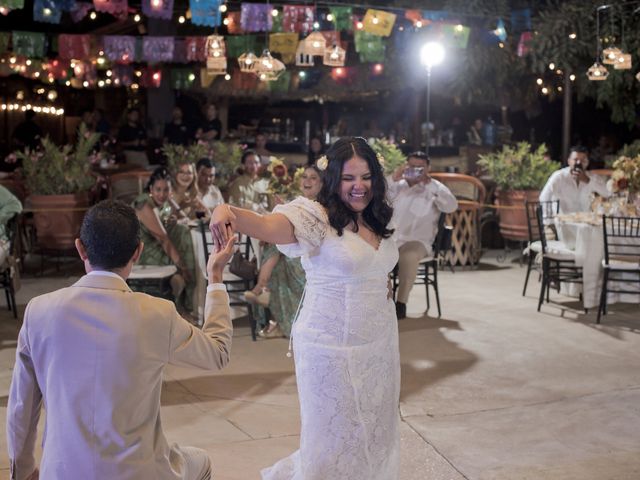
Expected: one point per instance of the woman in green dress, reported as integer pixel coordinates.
(281, 279)
(167, 240)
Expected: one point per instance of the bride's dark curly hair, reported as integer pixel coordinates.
(378, 213)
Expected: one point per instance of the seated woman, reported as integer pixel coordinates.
(185, 192)
(166, 241)
(281, 279)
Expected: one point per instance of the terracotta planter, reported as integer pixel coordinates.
(58, 219)
(513, 220)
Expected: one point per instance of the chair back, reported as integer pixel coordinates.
(540, 224)
(126, 186)
(464, 187)
(621, 239)
(549, 210)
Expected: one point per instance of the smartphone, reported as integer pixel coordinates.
(413, 172)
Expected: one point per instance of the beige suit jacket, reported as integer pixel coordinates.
(93, 354)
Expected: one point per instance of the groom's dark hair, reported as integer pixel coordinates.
(110, 234)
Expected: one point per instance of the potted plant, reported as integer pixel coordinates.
(520, 172)
(58, 180)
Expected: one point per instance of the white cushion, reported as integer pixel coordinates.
(152, 271)
(535, 247)
(617, 264)
(557, 250)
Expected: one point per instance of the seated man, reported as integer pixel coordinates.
(9, 206)
(417, 202)
(210, 195)
(95, 352)
(573, 185)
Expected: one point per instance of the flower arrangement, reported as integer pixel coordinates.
(519, 167)
(389, 155)
(281, 183)
(626, 175)
(224, 155)
(54, 170)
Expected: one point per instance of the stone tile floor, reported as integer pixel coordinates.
(492, 390)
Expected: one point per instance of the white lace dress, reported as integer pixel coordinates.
(346, 355)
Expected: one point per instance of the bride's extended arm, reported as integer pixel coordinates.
(271, 228)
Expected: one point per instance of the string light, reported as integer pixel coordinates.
(93, 15)
(329, 17)
(359, 25)
(274, 12)
(223, 7)
(48, 109)
(181, 19)
(545, 90)
(573, 36)
(375, 20)
(137, 17)
(572, 77)
(552, 66)
(419, 24)
(227, 77)
(539, 81)
(28, 62)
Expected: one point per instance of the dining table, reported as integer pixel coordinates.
(582, 233)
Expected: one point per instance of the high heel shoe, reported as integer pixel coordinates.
(262, 299)
(271, 331)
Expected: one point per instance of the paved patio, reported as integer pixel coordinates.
(492, 390)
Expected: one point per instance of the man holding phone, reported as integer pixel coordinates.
(573, 185)
(417, 202)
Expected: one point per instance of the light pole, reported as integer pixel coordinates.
(431, 54)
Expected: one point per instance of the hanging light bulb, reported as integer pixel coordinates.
(247, 62)
(181, 19)
(329, 17)
(597, 72)
(137, 17)
(610, 55)
(223, 8)
(623, 62)
(274, 12)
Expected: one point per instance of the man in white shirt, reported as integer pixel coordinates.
(573, 185)
(417, 202)
(210, 195)
(94, 354)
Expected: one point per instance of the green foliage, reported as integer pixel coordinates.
(393, 156)
(53, 170)
(631, 150)
(177, 155)
(519, 167)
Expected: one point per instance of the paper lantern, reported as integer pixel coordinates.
(303, 58)
(334, 56)
(610, 55)
(597, 72)
(247, 62)
(215, 46)
(269, 68)
(315, 44)
(623, 62)
(217, 65)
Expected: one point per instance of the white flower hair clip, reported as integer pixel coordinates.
(322, 163)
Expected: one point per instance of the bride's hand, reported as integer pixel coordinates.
(222, 225)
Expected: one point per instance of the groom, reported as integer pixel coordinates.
(94, 354)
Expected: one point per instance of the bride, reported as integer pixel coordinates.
(346, 337)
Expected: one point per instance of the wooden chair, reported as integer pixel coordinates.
(235, 285)
(471, 194)
(621, 256)
(534, 247)
(558, 262)
(428, 268)
(126, 186)
(9, 271)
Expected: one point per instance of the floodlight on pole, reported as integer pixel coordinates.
(431, 54)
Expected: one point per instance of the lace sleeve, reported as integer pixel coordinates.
(310, 224)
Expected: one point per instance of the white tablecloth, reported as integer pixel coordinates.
(587, 241)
